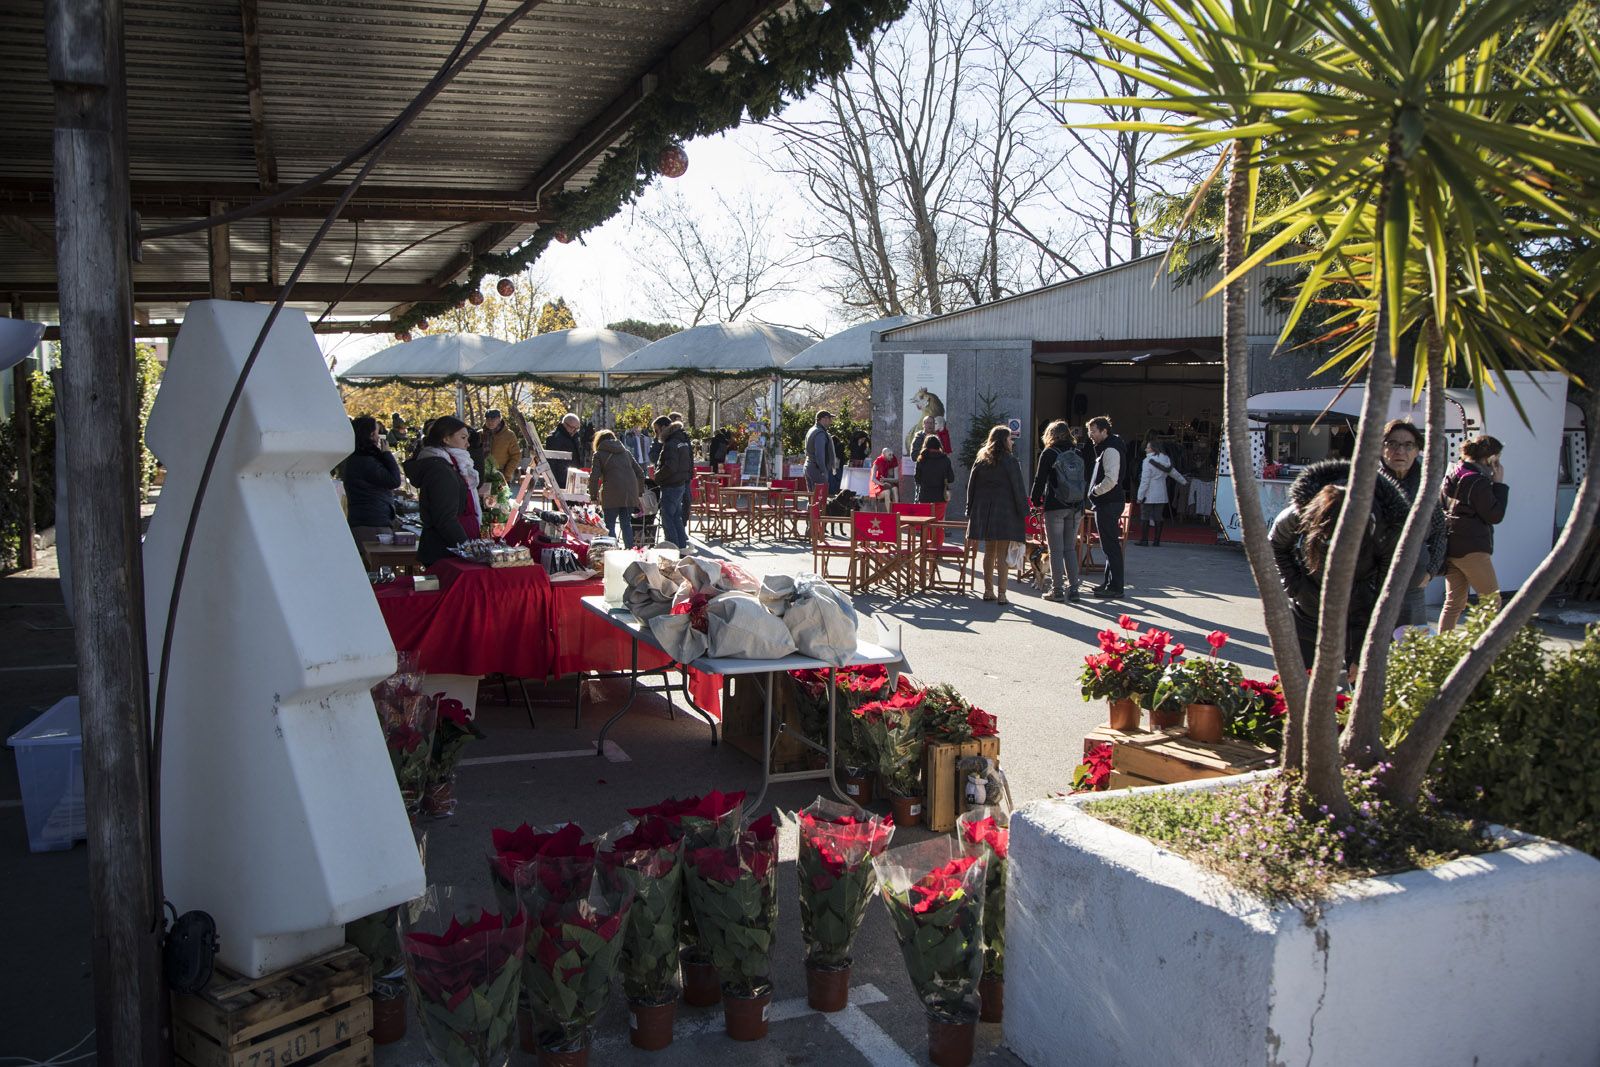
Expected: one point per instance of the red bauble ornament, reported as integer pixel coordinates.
(506, 287)
(403, 336)
(422, 324)
(475, 299)
(674, 161)
(563, 237)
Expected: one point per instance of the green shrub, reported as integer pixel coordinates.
(1522, 751)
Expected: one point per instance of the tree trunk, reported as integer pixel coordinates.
(22, 423)
(1235, 420)
(1362, 743)
(1414, 755)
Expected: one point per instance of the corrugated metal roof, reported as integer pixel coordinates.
(1130, 300)
(332, 73)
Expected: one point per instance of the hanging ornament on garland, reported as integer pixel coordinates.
(476, 298)
(422, 324)
(506, 287)
(403, 336)
(563, 237)
(673, 161)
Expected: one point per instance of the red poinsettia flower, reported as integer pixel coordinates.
(516, 848)
(1216, 639)
(716, 804)
(988, 832)
(695, 608)
(652, 832)
(670, 809)
(936, 888)
(403, 738)
(982, 723)
(452, 710)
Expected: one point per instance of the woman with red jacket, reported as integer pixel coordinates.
(1474, 497)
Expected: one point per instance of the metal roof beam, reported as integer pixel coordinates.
(728, 24)
(392, 202)
(266, 159)
(31, 235)
(147, 330)
(158, 292)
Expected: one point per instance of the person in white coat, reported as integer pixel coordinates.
(1152, 495)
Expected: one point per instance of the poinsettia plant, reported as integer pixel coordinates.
(647, 857)
(576, 921)
(892, 730)
(949, 717)
(715, 818)
(514, 849)
(1202, 680)
(455, 727)
(1262, 710)
(1129, 663)
(464, 977)
(1094, 773)
(837, 879)
(986, 832)
(935, 898)
(734, 894)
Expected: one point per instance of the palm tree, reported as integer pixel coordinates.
(1429, 174)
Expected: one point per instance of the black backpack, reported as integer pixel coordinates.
(1072, 483)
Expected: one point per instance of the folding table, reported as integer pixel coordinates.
(864, 655)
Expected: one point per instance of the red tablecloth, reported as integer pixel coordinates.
(515, 621)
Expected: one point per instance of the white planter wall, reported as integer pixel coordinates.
(1121, 952)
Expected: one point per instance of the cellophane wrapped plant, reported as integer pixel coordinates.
(837, 879)
(515, 849)
(734, 893)
(1129, 663)
(454, 727)
(715, 818)
(576, 920)
(892, 730)
(935, 897)
(1203, 680)
(464, 967)
(856, 686)
(378, 937)
(647, 857)
(407, 716)
(985, 832)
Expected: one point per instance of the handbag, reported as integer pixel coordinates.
(1016, 557)
(649, 503)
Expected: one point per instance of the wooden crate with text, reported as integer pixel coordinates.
(316, 1014)
(944, 784)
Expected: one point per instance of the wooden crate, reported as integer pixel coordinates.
(1124, 780)
(944, 800)
(1166, 756)
(318, 1014)
(744, 704)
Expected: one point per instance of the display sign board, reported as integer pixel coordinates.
(924, 388)
(750, 471)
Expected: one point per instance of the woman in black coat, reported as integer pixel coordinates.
(934, 473)
(371, 475)
(1475, 498)
(447, 489)
(997, 508)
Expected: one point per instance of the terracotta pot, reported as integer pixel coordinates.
(1205, 722)
(828, 988)
(992, 991)
(745, 1018)
(525, 1039)
(389, 1015)
(951, 1044)
(578, 1057)
(1161, 719)
(701, 986)
(857, 785)
(1124, 714)
(907, 810)
(650, 1025)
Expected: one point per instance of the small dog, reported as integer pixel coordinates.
(844, 502)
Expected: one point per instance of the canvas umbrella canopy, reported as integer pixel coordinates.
(845, 350)
(577, 353)
(438, 356)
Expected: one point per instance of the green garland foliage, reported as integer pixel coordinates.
(570, 385)
(795, 52)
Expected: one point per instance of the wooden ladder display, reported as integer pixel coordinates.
(541, 466)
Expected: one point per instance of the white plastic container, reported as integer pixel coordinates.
(49, 754)
(615, 565)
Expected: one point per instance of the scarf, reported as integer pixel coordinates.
(458, 458)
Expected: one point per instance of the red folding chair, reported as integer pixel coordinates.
(875, 552)
(825, 548)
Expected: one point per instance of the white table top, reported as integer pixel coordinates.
(865, 653)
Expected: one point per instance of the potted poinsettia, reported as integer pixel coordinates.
(464, 967)
(892, 730)
(454, 728)
(1126, 669)
(514, 849)
(837, 880)
(935, 897)
(734, 894)
(985, 831)
(647, 856)
(1207, 688)
(1094, 773)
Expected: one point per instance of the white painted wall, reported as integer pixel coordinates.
(280, 814)
(1120, 952)
(1531, 458)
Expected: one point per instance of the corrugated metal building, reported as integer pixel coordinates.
(1125, 342)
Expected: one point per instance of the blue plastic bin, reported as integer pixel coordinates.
(50, 767)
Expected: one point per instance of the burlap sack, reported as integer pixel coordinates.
(740, 628)
(820, 619)
(649, 592)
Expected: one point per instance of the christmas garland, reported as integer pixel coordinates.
(796, 51)
(569, 385)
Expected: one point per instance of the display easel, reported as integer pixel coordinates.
(541, 466)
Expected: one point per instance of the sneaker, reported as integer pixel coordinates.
(1107, 594)
(1073, 597)
(1051, 595)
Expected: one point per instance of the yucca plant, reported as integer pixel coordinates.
(1433, 174)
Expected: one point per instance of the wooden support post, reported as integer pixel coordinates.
(22, 399)
(85, 53)
(221, 259)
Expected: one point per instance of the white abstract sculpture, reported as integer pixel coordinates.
(279, 812)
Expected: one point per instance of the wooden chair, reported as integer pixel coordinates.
(718, 518)
(825, 548)
(875, 552)
(940, 549)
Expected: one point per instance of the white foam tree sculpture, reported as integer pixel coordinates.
(279, 812)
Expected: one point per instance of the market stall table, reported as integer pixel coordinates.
(639, 635)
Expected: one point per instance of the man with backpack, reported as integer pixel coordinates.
(1061, 490)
